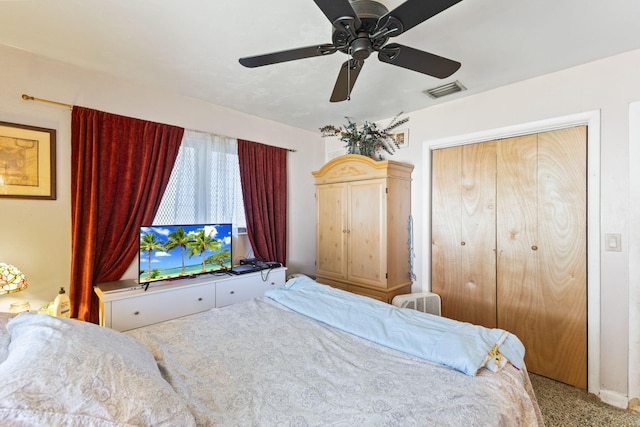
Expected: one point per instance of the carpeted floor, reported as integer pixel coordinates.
(566, 406)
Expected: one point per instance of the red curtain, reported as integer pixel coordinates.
(263, 174)
(120, 167)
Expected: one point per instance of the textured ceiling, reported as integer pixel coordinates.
(192, 48)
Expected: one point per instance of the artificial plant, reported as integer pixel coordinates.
(367, 139)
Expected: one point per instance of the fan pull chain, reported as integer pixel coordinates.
(349, 74)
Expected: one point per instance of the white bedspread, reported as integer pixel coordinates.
(261, 364)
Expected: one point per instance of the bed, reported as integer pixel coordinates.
(304, 355)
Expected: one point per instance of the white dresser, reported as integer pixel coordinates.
(130, 309)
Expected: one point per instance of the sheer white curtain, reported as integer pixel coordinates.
(205, 183)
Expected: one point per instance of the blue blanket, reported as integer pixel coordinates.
(461, 346)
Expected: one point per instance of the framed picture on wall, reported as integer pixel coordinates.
(401, 136)
(27, 162)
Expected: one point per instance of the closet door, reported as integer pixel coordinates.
(541, 242)
(463, 232)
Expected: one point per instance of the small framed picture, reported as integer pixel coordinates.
(27, 162)
(401, 137)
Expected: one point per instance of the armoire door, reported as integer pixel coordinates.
(367, 231)
(350, 225)
(463, 232)
(331, 230)
(541, 264)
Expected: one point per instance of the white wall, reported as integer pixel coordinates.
(35, 235)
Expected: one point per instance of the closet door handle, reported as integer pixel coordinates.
(463, 243)
(534, 247)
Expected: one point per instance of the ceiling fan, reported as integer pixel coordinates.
(361, 27)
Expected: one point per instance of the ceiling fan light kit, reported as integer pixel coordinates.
(361, 27)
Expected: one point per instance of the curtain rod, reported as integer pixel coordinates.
(32, 98)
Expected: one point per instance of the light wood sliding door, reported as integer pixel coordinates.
(463, 232)
(541, 269)
(509, 243)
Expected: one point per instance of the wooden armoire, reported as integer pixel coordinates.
(509, 243)
(362, 221)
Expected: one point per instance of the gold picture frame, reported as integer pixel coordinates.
(27, 162)
(401, 137)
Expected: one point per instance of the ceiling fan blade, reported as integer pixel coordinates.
(414, 12)
(288, 55)
(336, 9)
(346, 79)
(418, 60)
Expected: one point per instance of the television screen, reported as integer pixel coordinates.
(175, 251)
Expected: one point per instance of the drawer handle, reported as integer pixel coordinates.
(200, 299)
(232, 292)
(135, 313)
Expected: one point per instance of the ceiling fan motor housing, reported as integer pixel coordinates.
(361, 46)
(368, 9)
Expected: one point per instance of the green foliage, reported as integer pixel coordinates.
(200, 242)
(221, 259)
(148, 243)
(178, 238)
(368, 139)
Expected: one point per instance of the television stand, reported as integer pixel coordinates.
(135, 307)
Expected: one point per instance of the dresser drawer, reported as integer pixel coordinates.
(243, 288)
(146, 309)
(235, 291)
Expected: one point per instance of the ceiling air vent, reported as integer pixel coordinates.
(444, 90)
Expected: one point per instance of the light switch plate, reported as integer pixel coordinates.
(613, 242)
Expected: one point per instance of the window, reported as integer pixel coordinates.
(204, 184)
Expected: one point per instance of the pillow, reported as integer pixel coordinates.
(68, 372)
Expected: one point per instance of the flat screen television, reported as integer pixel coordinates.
(175, 251)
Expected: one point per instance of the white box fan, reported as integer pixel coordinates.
(426, 302)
